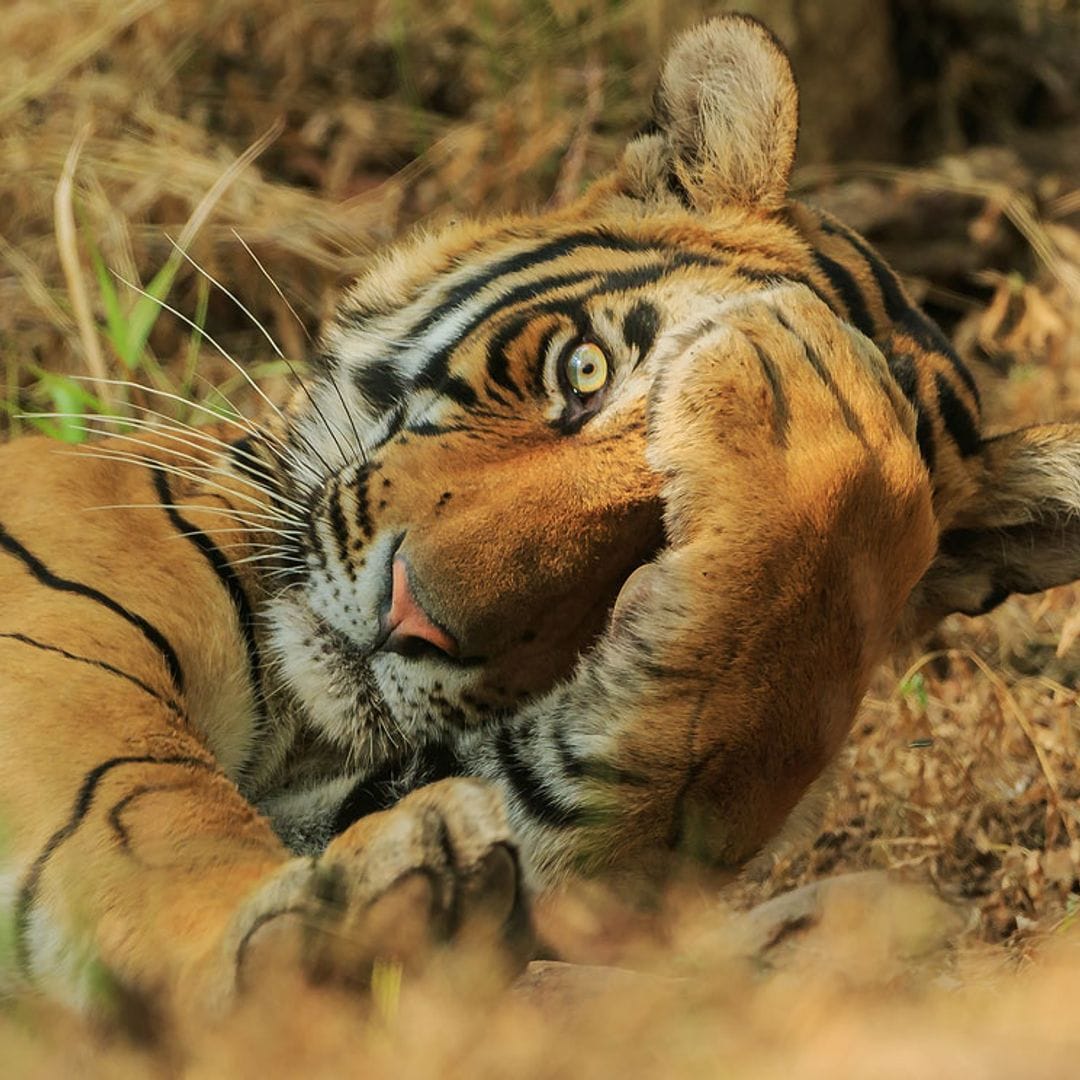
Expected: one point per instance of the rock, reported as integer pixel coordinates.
(872, 919)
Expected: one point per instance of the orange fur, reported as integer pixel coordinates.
(666, 600)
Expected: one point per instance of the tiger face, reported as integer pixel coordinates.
(473, 450)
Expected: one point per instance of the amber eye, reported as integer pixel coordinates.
(586, 369)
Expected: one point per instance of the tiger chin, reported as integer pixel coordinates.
(575, 553)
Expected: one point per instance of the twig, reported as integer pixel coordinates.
(68, 249)
(573, 164)
(221, 185)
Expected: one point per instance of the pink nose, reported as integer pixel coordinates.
(409, 623)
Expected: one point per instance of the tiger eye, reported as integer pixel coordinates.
(587, 369)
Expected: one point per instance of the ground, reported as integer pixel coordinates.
(952, 144)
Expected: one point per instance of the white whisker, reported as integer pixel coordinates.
(237, 419)
(265, 556)
(106, 454)
(274, 444)
(256, 525)
(273, 284)
(270, 340)
(161, 466)
(162, 422)
(229, 359)
(224, 532)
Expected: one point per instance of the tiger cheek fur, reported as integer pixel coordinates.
(574, 554)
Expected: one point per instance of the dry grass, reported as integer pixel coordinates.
(962, 770)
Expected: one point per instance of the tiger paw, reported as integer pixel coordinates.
(437, 869)
(774, 410)
(798, 515)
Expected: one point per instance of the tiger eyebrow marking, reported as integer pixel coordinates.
(84, 801)
(498, 367)
(53, 581)
(548, 251)
(104, 665)
(640, 326)
(600, 283)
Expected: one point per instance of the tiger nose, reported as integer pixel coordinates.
(409, 624)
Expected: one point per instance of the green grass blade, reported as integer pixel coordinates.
(147, 309)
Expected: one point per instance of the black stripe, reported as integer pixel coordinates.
(358, 315)
(678, 189)
(850, 419)
(458, 390)
(171, 705)
(781, 414)
(116, 811)
(435, 370)
(338, 526)
(430, 429)
(530, 789)
(498, 367)
(381, 789)
(904, 371)
(549, 251)
(901, 311)
(774, 279)
(612, 281)
(536, 375)
(245, 460)
(640, 327)
(847, 288)
(591, 768)
(363, 504)
(381, 384)
(245, 613)
(959, 422)
(84, 800)
(374, 793)
(246, 457)
(303, 910)
(53, 581)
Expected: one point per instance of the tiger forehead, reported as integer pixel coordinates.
(442, 284)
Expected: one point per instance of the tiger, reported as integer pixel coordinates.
(572, 553)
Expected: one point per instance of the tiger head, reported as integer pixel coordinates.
(471, 449)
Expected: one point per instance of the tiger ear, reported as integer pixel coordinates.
(725, 121)
(1021, 534)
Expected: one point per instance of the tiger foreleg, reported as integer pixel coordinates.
(799, 518)
(134, 861)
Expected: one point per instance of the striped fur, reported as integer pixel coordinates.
(665, 598)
